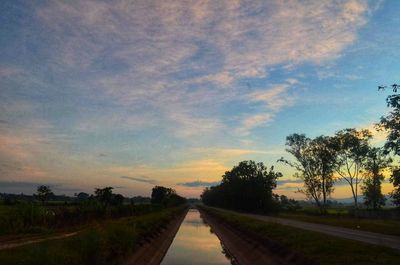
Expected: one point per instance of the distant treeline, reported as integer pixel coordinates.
(10, 198)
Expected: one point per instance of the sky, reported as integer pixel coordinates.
(132, 94)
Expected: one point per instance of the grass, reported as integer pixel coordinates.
(33, 218)
(107, 243)
(321, 248)
(388, 227)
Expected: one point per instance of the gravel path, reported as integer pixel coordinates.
(358, 235)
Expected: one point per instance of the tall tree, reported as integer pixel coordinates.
(395, 180)
(391, 123)
(160, 194)
(43, 193)
(315, 164)
(247, 187)
(351, 147)
(376, 162)
(104, 195)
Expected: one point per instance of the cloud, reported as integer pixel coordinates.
(10, 186)
(379, 134)
(273, 100)
(181, 60)
(289, 181)
(9, 71)
(276, 97)
(24, 184)
(143, 179)
(220, 153)
(167, 69)
(199, 183)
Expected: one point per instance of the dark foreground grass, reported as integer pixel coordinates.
(388, 227)
(107, 243)
(33, 218)
(318, 247)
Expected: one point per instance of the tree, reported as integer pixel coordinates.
(247, 187)
(395, 180)
(43, 193)
(315, 164)
(351, 147)
(287, 204)
(391, 123)
(376, 162)
(117, 199)
(82, 196)
(104, 195)
(160, 194)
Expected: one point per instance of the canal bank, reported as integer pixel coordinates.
(153, 251)
(247, 248)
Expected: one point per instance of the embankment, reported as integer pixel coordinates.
(152, 251)
(247, 248)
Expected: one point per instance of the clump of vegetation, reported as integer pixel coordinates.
(166, 196)
(247, 187)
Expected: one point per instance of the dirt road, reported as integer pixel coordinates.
(363, 236)
(31, 240)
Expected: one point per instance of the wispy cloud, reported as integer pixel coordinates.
(199, 183)
(286, 181)
(9, 71)
(273, 100)
(143, 179)
(185, 51)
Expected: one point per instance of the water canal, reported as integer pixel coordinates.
(195, 244)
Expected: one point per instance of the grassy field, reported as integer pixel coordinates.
(33, 218)
(321, 248)
(389, 227)
(108, 242)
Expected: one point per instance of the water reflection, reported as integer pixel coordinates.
(196, 244)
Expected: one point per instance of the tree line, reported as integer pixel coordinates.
(102, 196)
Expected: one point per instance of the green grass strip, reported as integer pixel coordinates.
(323, 249)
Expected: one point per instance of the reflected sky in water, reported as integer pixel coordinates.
(195, 244)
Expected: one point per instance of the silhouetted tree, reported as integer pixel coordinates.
(43, 193)
(160, 194)
(175, 200)
(352, 147)
(82, 196)
(247, 187)
(287, 204)
(375, 163)
(395, 180)
(315, 164)
(117, 199)
(391, 123)
(104, 195)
